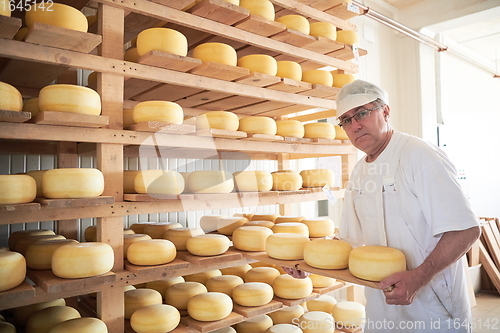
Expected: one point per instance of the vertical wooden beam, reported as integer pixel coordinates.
(284, 164)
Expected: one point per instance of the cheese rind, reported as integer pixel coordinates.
(320, 227)
(374, 263)
(252, 181)
(319, 130)
(349, 314)
(17, 189)
(283, 328)
(80, 260)
(295, 22)
(161, 286)
(291, 227)
(317, 322)
(151, 252)
(31, 105)
(22, 313)
(263, 8)
(216, 52)
(208, 245)
(320, 281)
(318, 76)
(327, 253)
(157, 230)
(162, 39)
(164, 111)
(69, 98)
(286, 180)
(210, 306)
(262, 274)
(341, 79)
(72, 183)
(289, 69)
(39, 254)
(290, 128)
(288, 287)
(155, 318)
(223, 120)
(258, 125)
(80, 325)
(226, 226)
(12, 270)
(348, 37)
(209, 222)
(317, 177)
(10, 98)
(261, 63)
(179, 294)
(286, 246)
(286, 315)
(203, 277)
(323, 29)
(253, 294)
(210, 181)
(251, 238)
(255, 325)
(323, 303)
(43, 320)
(238, 270)
(37, 176)
(57, 14)
(138, 298)
(179, 236)
(224, 284)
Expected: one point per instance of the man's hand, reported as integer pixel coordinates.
(400, 288)
(296, 273)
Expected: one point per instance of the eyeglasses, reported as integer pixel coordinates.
(360, 115)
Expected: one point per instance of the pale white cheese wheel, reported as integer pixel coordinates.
(80, 260)
(286, 180)
(286, 315)
(289, 69)
(262, 274)
(253, 294)
(260, 63)
(318, 76)
(17, 189)
(288, 218)
(258, 125)
(23, 244)
(157, 230)
(12, 270)
(139, 298)
(295, 22)
(263, 8)
(317, 322)
(266, 217)
(253, 181)
(210, 306)
(291, 227)
(69, 98)
(179, 236)
(31, 105)
(375, 263)
(129, 239)
(223, 284)
(80, 325)
(223, 120)
(210, 181)
(72, 183)
(209, 222)
(327, 253)
(164, 111)
(323, 303)
(43, 320)
(323, 29)
(348, 37)
(255, 325)
(320, 227)
(283, 328)
(57, 14)
(317, 177)
(251, 238)
(203, 277)
(129, 180)
(216, 52)
(179, 294)
(161, 286)
(162, 39)
(238, 270)
(10, 98)
(319, 130)
(226, 226)
(349, 313)
(155, 318)
(39, 254)
(23, 313)
(320, 281)
(288, 287)
(286, 246)
(341, 79)
(208, 245)
(151, 252)
(290, 128)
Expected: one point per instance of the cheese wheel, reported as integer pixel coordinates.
(12, 270)
(17, 189)
(23, 243)
(210, 181)
(132, 54)
(138, 298)
(262, 8)
(17, 235)
(164, 111)
(283, 328)
(253, 294)
(258, 324)
(320, 227)
(80, 325)
(21, 33)
(216, 52)
(290, 128)
(23, 313)
(262, 274)
(91, 19)
(252, 181)
(323, 29)
(37, 176)
(327, 253)
(179, 236)
(223, 120)
(316, 322)
(266, 224)
(138, 228)
(80, 260)
(157, 230)
(283, 219)
(185, 175)
(319, 130)
(72, 183)
(374, 263)
(161, 286)
(151, 252)
(265, 217)
(39, 254)
(10, 98)
(291, 227)
(129, 179)
(227, 329)
(286, 246)
(247, 215)
(6, 327)
(179, 294)
(340, 80)
(261, 63)
(209, 222)
(320, 281)
(286, 180)
(251, 238)
(69, 98)
(203, 277)
(31, 105)
(128, 117)
(57, 14)
(155, 318)
(340, 133)
(348, 37)
(210, 306)
(286, 315)
(289, 69)
(349, 314)
(323, 303)
(90, 234)
(238, 270)
(43, 320)
(317, 177)
(5, 8)
(258, 125)
(234, 2)
(223, 284)
(162, 39)
(318, 76)
(208, 245)
(288, 287)
(295, 22)
(227, 225)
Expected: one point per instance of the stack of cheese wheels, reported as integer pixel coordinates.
(22, 313)
(323, 29)
(10, 98)
(23, 244)
(251, 238)
(253, 294)
(151, 252)
(164, 111)
(155, 318)
(288, 287)
(203, 277)
(227, 225)
(157, 230)
(17, 235)
(39, 254)
(348, 37)
(43, 320)
(179, 236)
(264, 217)
(223, 284)
(210, 306)
(238, 270)
(208, 245)
(210, 181)
(290, 128)
(223, 120)
(349, 314)
(69, 98)
(262, 8)
(262, 274)
(80, 325)
(290, 70)
(317, 177)
(323, 303)
(258, 125)
(318, 76)
(256, 324)
(320, 227)
(340, 133)
(295, 22)
(289, 218)
(60, 15)
(320, 281)
(317, 322)
(286, 180)
(216, 52)
(17, 189)
(341, 79)
(31, 105)
(80, 260)
(319, 130)
(374, 263)
(286, 315)
(286, 246)
(138, 298)
(129, 239)
(72, 183)
(327, 253)
(179, 294)
(37, 176)
(260, 63)
(291, 227)
(252, 181)
(162, 39)
(263, 223)
(161, 286)
(132, 54)
(12, 270)
(209, 222)
(283, 328)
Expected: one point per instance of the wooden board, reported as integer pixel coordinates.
(290, 139)
(52, 284)
(176, 4)
(157, 269)
(294, 37)
(228, 256)
(321, 4)
(349, 329)
(76, 202)
(216, 196)
(324, 290)
(14, 116)
(9, 26)
(260, 26)
(220, 11)
(344, 11)
(321, 91)
(230, 103)
(220, 71)
(162, 127)
(69, 119)
(340, 274)
(293, 302)
(259, 79)
(262, 256)
(263, 137)
(19, 207)
(320, 141)
(29, 74)
(291, 86)
(22, 291)
(254, 311)
(219, 133)
(208, 326)
(161, 92)
(324, 45)
(491, 241)
(156, 197)
(169, 61)
(201, 98)
(261, 108)
(134, 87)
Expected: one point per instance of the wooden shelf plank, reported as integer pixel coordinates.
(69, 119)
(75, 202)
(22, 291)
(154, 91)
(294, 37)
(169, 61)
(219, 133)
(228, 256)
(176, 4)
(341, 274)
(254, 311)
(156, 197)
(220, 71)
(9, 26)
(262, 256)
(208, 326)
(230, 103)
(324, 290)
(155, 126)
(14, 116)
(324, 45)
(293, 302)
(263, 137)
(220, 11)
(320, 141)
(52, 284)
(260, 26)
(171, 266)
(259, 79)
(291, 86)
(344, 11)
(296, 140)
(19, 207)
(321, 91)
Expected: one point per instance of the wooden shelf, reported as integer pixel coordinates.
(69, 119)
(52, 284)
(9, 26)
(21, 292)
(14, 116)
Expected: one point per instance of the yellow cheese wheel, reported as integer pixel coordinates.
(128, 117)
(138, 228)
(265, 217)
(132, 238)
(168, 112)
(286, 315)
(323, 303)
(155, 318)
(286, 246)
(23, 313)
(57, 14)
(162, 39)
(6, 327)
(90, 234)
(323, 29)
(23, 244)
(210, 181)
(283, 328)
(227, 329)
(12, 270)
(161, 286)
(31, 105)
(132, 54)
(238, 270)
(247, 215)
(92, 80)
(210, 306)
(151, 252)
(69, 98)
(223, 120)
(179, 236)
(80, 325)
(340, 133)
(263, 8)
(375, 263)
(160, 182)
(288, 287)
(262, 274)
(72, 183)
(179, 294)
(318, 76)
(290, 128)
(80, 260)
(266, 224)
(208, 245)
(251, 238)
(258, 125)
(348, 37)
(286, 180)
(157, 230)
(21, 33)
(316, 322)
(5, 8)
(223, 284)
(319, 130)
(17, 189)
(17, 235)
(289, 218)
(138, 298)
(37, 176)
(203, 277)
(227, 225)
(327, 253)
(216, 52)
(39, 254)
(43, 320)
(10, 98)
(320, 227)
(340, 80)
(349, 314)
(295, 22)
(289, 69)
(209, 222)
(291, 227)
(261, 63)
(91, 19)
(234, 2)
(257, 324)
(320, 281)
(253, 294)
(252, 181)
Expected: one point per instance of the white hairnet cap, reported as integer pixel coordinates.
(358, 93)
